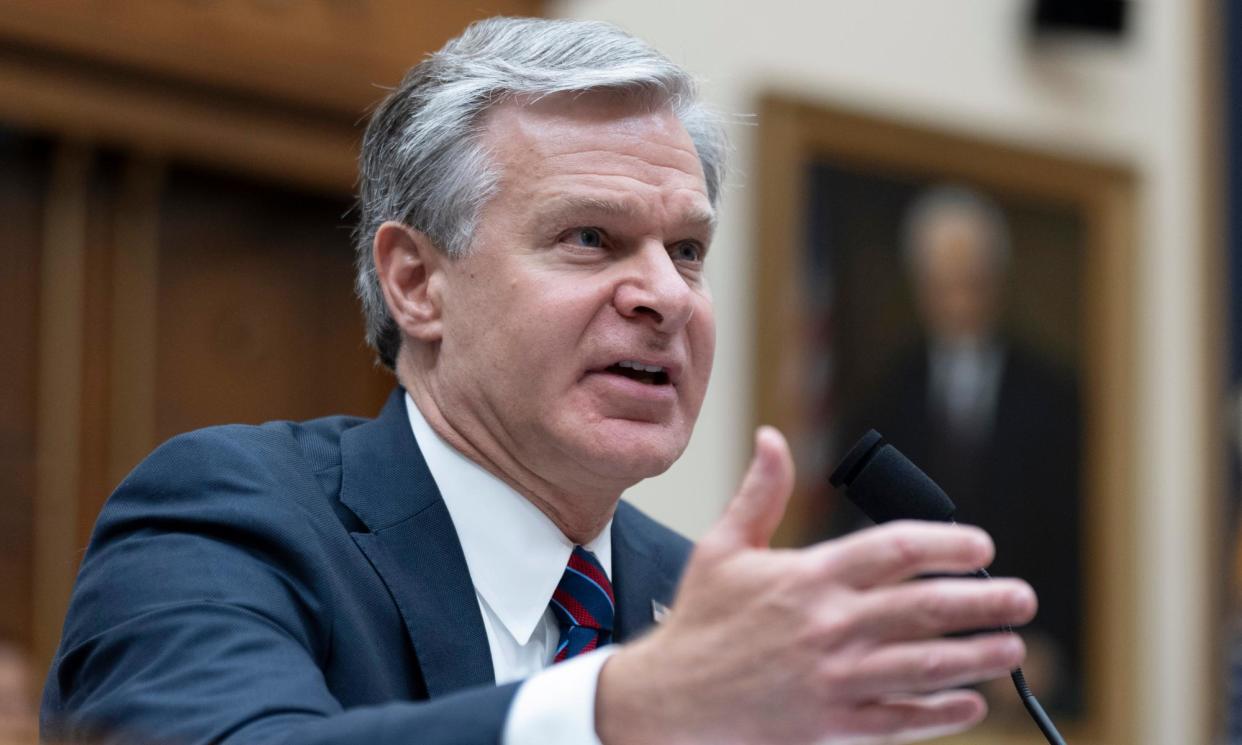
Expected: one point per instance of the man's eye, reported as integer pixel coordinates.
(589, 237)
(687, 251)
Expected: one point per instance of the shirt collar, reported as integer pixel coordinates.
(516, 555)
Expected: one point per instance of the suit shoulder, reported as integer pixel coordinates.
(316, 443)
(224, 474)
(232, 515)
(670, 548)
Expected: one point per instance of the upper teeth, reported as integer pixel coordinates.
(640, 366)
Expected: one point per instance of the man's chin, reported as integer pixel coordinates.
(631, 451)
(636, 467)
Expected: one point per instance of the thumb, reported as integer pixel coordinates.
(752, 515)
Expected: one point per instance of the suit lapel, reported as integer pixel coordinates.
(414, 547)
(640, 578)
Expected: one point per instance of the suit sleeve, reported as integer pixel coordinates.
(201, 615)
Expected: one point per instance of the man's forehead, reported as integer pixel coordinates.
(571, 142)
(687, 212)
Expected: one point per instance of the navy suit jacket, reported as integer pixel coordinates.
(300, 583)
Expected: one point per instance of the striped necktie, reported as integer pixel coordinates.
(584, 605)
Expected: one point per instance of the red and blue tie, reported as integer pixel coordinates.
(584, 606)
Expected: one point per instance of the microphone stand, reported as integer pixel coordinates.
(1033, 707)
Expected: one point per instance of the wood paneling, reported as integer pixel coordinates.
(328, 53)
(164, 119)
(23, 182)
(61, 353)
(256, 314)
(270, 88)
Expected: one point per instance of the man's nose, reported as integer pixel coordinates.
(655, 289)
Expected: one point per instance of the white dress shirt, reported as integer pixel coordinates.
(516, 557)
(965, 381)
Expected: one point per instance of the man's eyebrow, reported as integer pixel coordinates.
(569, 208)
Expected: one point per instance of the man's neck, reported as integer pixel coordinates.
(580, 511)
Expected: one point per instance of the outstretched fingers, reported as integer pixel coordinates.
(929, 608)
(915, 718)
(929, 666)
(901, 550)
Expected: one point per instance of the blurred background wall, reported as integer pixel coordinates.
(973, 66)
(174, 188)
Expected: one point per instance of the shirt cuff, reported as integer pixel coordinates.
(557, 706)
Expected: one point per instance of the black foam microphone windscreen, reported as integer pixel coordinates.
(886, 485)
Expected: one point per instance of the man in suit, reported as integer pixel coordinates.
(992, 421)
(537, 202)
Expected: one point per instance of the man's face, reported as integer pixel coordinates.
(958, 284)
(578, 331)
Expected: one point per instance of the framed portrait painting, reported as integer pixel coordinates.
(970, 300)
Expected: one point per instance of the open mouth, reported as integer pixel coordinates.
(649, 374)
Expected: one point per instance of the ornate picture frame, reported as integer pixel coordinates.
(836, 190)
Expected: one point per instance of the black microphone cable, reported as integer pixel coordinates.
(1033, 707)
(886, 486)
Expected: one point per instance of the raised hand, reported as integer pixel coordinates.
(840, 642)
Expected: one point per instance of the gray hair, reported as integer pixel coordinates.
(945, 200)
(422, 161)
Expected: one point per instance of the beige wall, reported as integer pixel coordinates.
(966, 65)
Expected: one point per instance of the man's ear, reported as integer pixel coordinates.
(408, 266)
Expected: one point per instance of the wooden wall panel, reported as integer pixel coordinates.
(270, 88)
(328, 53)
(256, 314)
(94, 412)
(23, 169)
(60, 354)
